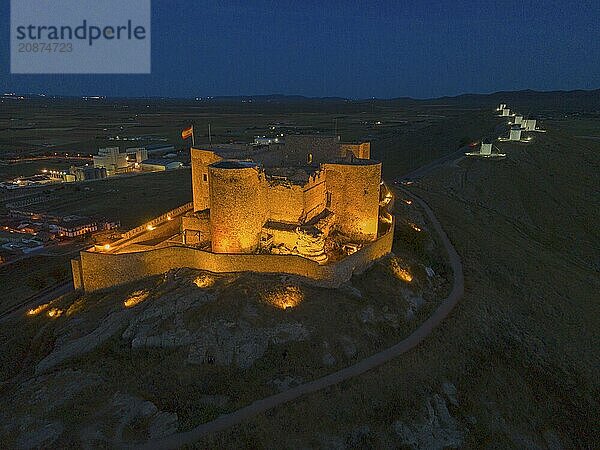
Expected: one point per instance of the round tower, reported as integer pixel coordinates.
(237, 206)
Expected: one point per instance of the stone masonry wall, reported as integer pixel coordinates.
(201, 159)
(238, 208)
(196, 227)
(322, 148)
(105, 270)
(314, 195)
(354, 191)
(77, 274)
(285, 202)
(362, 150)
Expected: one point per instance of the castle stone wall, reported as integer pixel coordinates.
(238, 208)
(314, 195)
(362, 150)
(196, 227)
(201, 159)
(270, 156)
(320, 148)
(285, 202)
(77, 275)
(354, 192)
(105, 270)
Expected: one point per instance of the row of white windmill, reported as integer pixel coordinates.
(518, 124)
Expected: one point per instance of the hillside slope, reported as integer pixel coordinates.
(515, 365)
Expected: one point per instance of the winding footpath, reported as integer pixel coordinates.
(260, 406)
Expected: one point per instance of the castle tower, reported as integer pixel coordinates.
(353, 196)
(237, 206)
(201, 159)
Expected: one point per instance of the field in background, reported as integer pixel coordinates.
(404, 134)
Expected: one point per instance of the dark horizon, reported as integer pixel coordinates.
(304, 97)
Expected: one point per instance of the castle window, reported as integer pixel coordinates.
(309, 158)
(328, 199)
(204, 177)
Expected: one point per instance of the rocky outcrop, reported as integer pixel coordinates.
(85, 344)
(226, 343)
(438, 430)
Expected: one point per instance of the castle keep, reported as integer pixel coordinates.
(262, 208)
(287, 199)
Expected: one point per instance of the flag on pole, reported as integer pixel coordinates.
(187, 133)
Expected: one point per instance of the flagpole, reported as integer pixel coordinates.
(209, 136)
(193, 140)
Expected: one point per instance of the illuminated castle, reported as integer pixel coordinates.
(312, 206)
(285, 199)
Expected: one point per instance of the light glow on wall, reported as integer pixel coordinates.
(386, 217)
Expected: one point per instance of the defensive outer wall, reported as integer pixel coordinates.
(96, 270)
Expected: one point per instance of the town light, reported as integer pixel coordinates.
(106, 246)
(150, 228)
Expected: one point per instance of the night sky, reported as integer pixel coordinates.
(350, 49)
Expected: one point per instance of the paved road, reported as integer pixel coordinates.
(423, 170)
(376, 360)
(451, 157)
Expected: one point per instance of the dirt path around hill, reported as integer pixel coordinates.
(260, 406)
